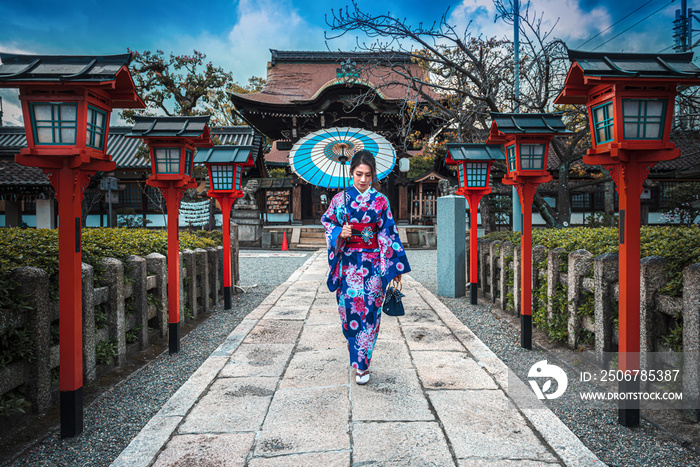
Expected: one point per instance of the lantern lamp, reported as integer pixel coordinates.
(526, 139)
(225, 166)
(66, 103)
(172, 142)
(630, 101)
(474, 171)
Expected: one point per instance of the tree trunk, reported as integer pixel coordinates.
(545, 210)
(563, 195)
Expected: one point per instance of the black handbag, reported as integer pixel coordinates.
(392, 300)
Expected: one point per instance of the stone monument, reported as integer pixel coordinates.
(246, 215)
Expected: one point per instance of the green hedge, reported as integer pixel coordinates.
(679, 245)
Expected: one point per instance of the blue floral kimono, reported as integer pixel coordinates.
(365, 272)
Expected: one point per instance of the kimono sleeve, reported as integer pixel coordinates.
(393, 258)
(332, 223)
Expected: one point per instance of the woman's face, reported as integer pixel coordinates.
(362, 177)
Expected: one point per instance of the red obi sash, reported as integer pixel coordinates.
(363, 236)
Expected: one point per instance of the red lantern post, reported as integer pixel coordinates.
(66, 105)
(630, 101)
(474, 171)
(225, 166)
(526, 138)
(173, 142)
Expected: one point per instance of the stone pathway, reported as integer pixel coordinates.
(278, 392)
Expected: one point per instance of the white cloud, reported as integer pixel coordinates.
(566, 16)
(12, 112)
(245, 49)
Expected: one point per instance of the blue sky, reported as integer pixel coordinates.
(237, 34)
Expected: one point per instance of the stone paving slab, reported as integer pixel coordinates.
(305, 420)
(400, 444)
(231, 405)
(206, 450)
(279, 392)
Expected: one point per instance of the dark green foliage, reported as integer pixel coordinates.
(105, 351)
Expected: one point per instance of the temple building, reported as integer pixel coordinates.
(310, 91)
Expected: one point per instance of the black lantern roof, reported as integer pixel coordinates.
(223, 155)
(535, 123)
(638, 65)
(475, 152)
(168, 127)
(61, 67)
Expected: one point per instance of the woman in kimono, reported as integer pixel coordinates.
(364, 254)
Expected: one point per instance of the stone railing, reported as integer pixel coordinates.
(125, 309)
(586, 278)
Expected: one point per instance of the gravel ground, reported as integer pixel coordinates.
(598, 429)
(115, 417)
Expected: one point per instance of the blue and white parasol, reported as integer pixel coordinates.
(319, 157)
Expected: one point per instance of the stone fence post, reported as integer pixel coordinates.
(136, 272)
(554, 260)
(652, 278)
(494, 275)
(89, 338)
(202, 290)
(113, 279)
(214, 273)
(516, 280)
(235, 272)
(605, 276)
(34, 283)
(580, 262)
(539, 254)
(189, 283)
(691, 338)
(506, 253)
(156, 266)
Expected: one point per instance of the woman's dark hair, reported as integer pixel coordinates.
(367, 158)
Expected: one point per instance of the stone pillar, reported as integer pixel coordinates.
(451, 251)
(691, 339)
(506, 258)
(190, 282)
(34, 283)
(202, 280)
(235, 270)
(45, 214)
(494, 261)
(483, 254)
(580, 262)
(214, 273)
(156, 265)
(516, 280)
(554, 260)
(605, 276)
(89, 339)
(136, 272)
(13, 213)
(652, 278)
(539, 254)
(113, 278)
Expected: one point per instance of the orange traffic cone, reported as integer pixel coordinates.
(284, 242)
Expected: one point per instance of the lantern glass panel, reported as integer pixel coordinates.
(603, 123)
(531, 156)
(222, 177)
(188, 162)
(167, 160)
(95, 128)
(511, 159)
(55, 123)
(239, 176)
(477, 173)
(461, 175)
(643, 118)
